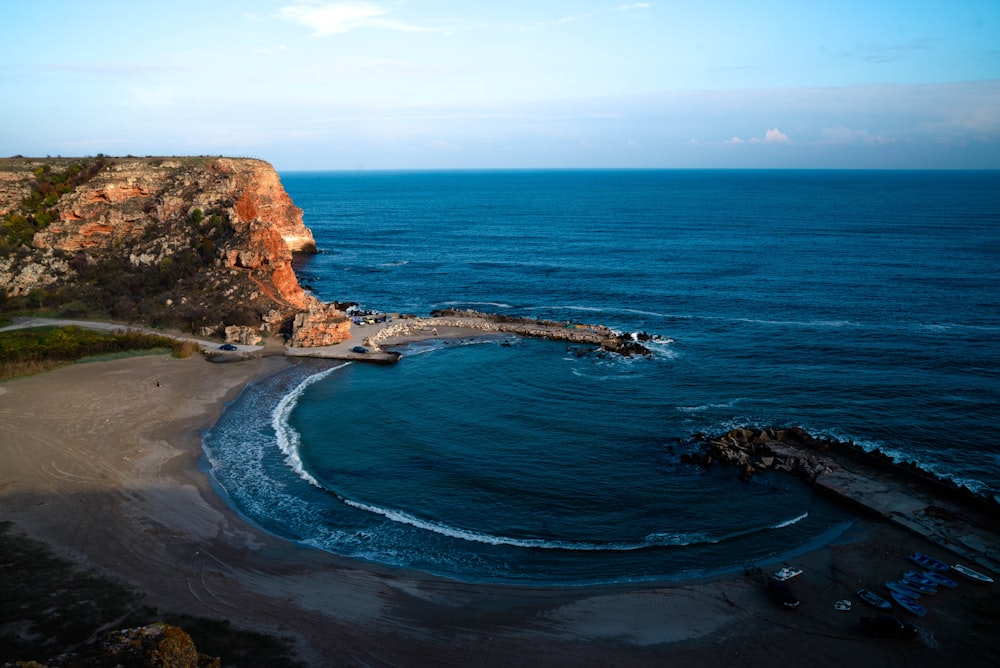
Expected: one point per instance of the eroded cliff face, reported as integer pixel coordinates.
(205, 243)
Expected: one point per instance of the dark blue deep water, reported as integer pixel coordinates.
(860, 305)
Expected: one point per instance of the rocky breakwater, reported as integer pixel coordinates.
(756, 450)
(201, 244)
(794, 450)
(948, 514)
(492, 323)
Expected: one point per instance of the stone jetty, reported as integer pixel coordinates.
(951, 515)
(491, 323)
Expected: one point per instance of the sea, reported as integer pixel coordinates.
(859, 305)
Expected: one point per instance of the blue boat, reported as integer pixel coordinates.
(930, 563)
(922, 585)
(909, 604)
(940, 580)
(903, 588)
(919, 578)
(873, 599)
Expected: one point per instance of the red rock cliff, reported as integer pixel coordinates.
(200, 236)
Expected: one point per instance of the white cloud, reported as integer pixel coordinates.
(772, 136)
(340, 17)
(775, 135)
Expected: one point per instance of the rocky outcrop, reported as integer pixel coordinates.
(320, 325)
(156, 645)
(200, 244)
(756, 450)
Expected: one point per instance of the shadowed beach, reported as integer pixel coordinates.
(101, 462)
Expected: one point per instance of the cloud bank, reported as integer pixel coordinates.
(336, 18)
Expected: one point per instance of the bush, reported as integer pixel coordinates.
(27, 351)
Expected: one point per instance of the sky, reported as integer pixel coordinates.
(453, 84)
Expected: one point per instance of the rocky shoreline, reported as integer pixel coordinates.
(794, 450)
(949, 514)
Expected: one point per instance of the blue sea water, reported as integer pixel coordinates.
(860, 305)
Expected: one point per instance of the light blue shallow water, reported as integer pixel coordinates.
(860, 305)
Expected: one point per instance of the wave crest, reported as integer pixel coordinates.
(288, 438)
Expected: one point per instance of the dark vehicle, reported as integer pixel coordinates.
(782, 594)
(359, 349)
(228, 346)
(887, 626)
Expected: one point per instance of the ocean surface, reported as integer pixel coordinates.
(861, 305)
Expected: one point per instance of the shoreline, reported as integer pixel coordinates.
(104, 466)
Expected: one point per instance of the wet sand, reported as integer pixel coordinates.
(102, 461)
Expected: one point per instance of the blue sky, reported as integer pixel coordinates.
(414, 84)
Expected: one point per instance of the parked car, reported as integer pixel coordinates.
(782, 594)
(888, 626)
(359, 349)
(228, 346)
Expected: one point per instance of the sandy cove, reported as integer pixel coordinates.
(102, 462)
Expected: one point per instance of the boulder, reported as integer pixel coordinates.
(320, 325)
(246, 336)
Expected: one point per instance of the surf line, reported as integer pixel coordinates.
(288, 439)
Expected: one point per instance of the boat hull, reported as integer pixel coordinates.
(873, 599)
(903, 588)
(908, 604)
(930, 563)
(973, 575)
(940, 580)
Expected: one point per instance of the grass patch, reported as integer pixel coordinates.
(28, 351)
(49, 607)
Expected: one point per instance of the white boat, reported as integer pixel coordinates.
(787, 573)
(971, 574)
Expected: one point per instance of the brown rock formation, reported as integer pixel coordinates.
(320, 325)
(154, 645)
(199, 243)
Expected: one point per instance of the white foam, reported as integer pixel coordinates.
(476, 537)
(457, 303)
(788, 523)
(288, 439)
(706, 407)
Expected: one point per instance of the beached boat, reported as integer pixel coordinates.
(903, 588)
(873, 599)
(908, 604)
(971, 574)
(787, 573)
(919, 578)
(923, 585)
(930, 563)
(940, 580)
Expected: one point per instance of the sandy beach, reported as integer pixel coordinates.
(102, 461)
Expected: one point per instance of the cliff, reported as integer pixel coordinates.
(200, 244)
